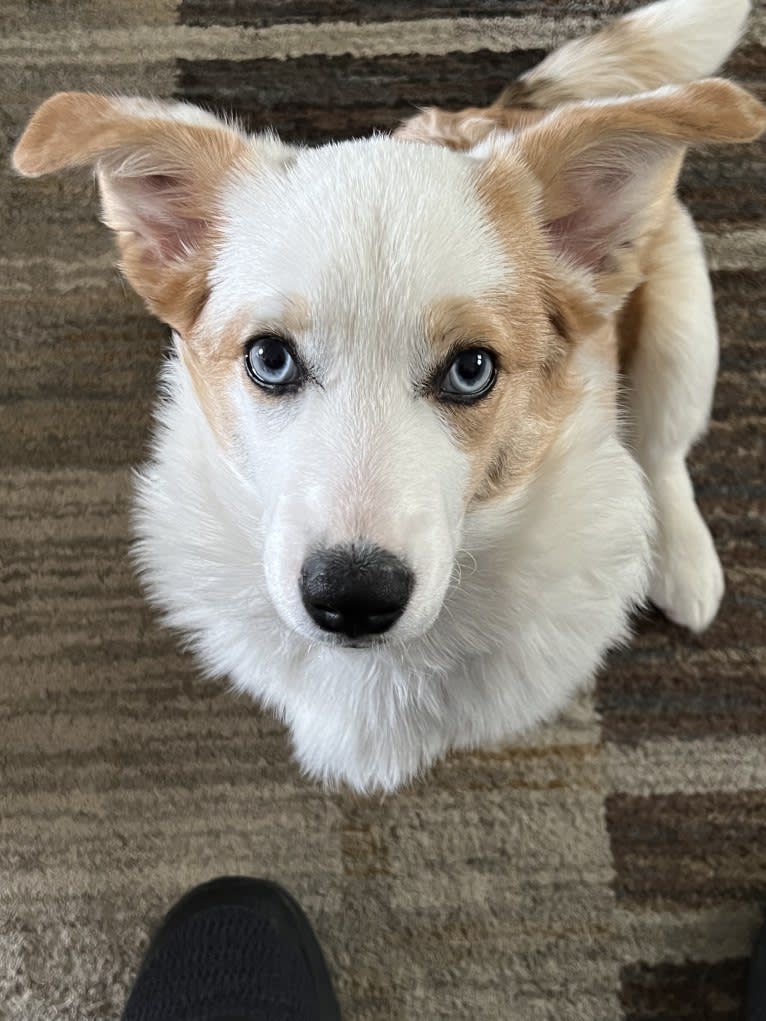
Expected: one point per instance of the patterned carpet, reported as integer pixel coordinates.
(611, 867)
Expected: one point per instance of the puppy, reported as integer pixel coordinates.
(392, 494)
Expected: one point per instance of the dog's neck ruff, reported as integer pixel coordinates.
(543, 585)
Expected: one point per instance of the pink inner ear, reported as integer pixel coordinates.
(609, 191)
(579, 238)
(156, 207)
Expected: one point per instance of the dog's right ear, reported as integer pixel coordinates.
(161, 168)
(606, 170)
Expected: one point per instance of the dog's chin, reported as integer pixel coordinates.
(341, 642)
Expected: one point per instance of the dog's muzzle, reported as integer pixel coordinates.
(355, 590)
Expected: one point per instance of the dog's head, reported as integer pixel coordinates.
(381, 335)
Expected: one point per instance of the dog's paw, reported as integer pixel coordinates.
(687, 583)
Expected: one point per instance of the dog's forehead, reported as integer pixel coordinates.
(361, 226)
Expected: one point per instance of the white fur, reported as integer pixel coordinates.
(672, 378)
(692, 37)
(671, 41)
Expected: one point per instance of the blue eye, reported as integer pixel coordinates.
(271, 364)
(470, 376)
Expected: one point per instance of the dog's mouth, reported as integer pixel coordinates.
(360, 643)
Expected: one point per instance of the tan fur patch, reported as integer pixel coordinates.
(177, 293)
(215, 357)
(465, 128)
(506, 433)
(212, 379)
(61, 133)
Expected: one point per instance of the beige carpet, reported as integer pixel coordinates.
(614, 867)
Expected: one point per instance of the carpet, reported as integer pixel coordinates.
(610, 866)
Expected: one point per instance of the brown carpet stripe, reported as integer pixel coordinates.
(272, 12)
(314, 98)
(115, 46)
(671, 992)
(609, 866)
(689, 849)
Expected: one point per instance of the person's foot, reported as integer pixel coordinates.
(234, 950)
(755, 1008)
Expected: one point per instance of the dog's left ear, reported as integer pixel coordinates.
(606, 169)
(161, 168)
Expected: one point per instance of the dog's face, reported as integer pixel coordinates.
(375, 360)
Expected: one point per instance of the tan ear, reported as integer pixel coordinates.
(161, 168)
(607, 168)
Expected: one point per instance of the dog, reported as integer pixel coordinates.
(421, 449)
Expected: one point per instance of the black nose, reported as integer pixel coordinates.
(355, 590)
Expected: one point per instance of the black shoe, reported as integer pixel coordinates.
(234, 950)
(755, 1009)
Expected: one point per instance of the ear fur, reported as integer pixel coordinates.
(606, 168)
(161, 168)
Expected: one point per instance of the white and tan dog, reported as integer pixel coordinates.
(392, 494)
